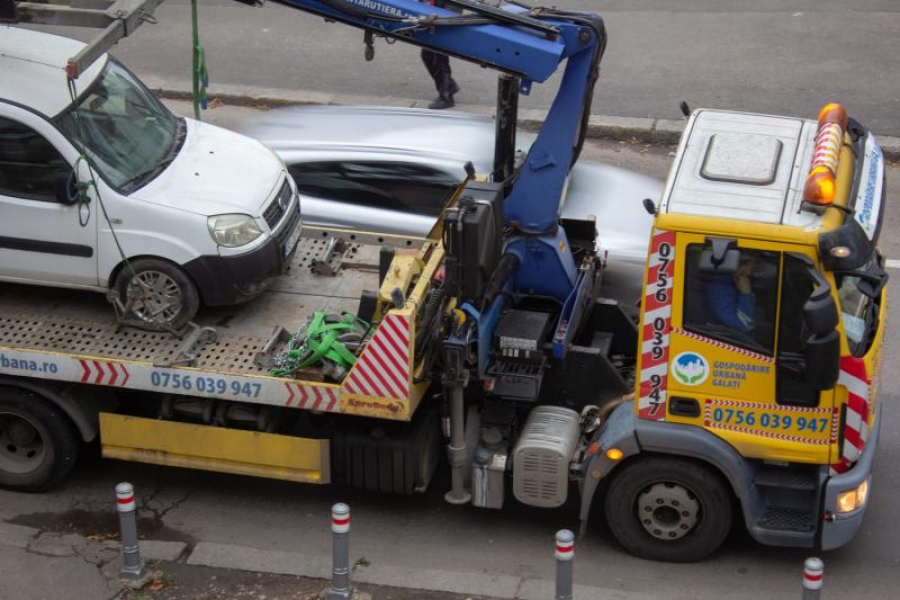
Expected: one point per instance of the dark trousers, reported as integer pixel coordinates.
(438, 66)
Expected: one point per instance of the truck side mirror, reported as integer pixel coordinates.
(822, 358)
(871, 282)
(65, 187)
(727, 265)
(722, 258)
(820, 312)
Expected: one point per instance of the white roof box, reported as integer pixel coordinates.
(742, 166)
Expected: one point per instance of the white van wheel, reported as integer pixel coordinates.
(157, 292)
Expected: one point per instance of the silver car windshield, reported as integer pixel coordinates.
(128, 134)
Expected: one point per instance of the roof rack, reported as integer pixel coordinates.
(114, 18)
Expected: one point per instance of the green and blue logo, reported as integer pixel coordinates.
(690, 368)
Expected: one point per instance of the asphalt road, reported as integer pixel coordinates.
(771, 56)
(425, 532)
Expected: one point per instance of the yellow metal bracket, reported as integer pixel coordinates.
(215, 449)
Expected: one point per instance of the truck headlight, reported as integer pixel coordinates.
(232, 231)
(854, 499)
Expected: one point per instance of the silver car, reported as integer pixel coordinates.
(390, 170)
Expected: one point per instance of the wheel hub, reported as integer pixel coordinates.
(668, 511)
(22, 433)
(22, 446)
(155, 297)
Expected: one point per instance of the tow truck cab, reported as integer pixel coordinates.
(762, 324)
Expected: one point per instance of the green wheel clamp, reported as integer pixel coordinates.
(327, 339)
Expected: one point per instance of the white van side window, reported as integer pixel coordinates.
(29, 163)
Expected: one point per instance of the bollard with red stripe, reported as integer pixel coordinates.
(813, 573)
(341, 588)
(132, 567)
(565, 556)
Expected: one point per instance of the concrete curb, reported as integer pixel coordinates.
(630, 129)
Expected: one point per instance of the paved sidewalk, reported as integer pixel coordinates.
(39, 564)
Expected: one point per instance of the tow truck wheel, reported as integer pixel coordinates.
(157, 292)
(38, 443)
(673, 510)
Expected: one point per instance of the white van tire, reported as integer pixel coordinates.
(170, 297)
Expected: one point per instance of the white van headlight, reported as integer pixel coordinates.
(233, 230)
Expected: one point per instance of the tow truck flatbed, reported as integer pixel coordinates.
(74, 337)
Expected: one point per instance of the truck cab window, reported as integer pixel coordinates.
(736, 308)
(858, 312)
(28, 162)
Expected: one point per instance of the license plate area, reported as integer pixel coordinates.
(291, 242)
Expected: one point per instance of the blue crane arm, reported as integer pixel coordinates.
(520, 52)
(528, 43)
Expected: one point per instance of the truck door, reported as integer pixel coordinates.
(41, 239)
(735, 362)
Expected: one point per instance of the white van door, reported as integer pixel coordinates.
(42, 240)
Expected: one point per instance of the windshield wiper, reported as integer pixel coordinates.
(154, 169)
(180, 135)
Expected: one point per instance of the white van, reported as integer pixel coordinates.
(167, 211)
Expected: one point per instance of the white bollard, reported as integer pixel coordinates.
(341, 588)
(813, 572)
(565, 556)
(133, 567)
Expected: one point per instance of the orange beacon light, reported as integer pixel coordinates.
(820, 185)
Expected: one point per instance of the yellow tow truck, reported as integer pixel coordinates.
(747, 385)
(772, 414)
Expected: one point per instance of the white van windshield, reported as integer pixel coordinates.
(128, 134)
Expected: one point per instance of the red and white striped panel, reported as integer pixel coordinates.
(856, 421)
(103, 372)
(383, 369)
(657, 327)
(312, 397)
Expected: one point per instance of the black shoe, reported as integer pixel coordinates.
(454, 88)
(442, 103)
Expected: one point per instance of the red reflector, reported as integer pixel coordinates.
(72, 69)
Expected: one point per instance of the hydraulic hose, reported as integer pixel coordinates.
(506, 268)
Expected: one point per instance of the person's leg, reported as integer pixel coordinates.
(432, 64)
(446, 86)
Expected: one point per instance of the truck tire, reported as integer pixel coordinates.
(38, 442)
(668, 509)
(163, 293)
